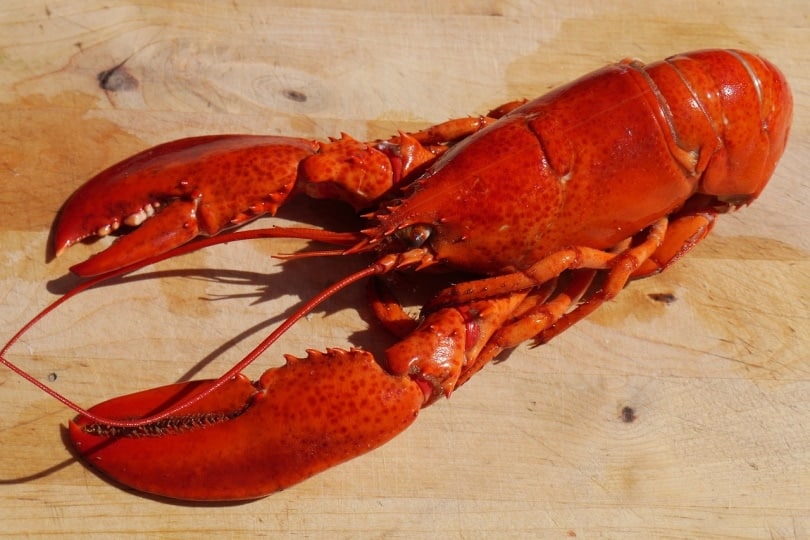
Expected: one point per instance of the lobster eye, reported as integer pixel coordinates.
(415, 235)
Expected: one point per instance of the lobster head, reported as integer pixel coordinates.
(725, 86)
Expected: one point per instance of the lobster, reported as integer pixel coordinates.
(549, 207)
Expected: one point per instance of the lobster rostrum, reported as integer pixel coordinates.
(554, 204)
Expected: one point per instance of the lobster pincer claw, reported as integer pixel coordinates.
(179, 190)
(248, 440)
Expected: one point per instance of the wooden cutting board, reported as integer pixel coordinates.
(680, 419)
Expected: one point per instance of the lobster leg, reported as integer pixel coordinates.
(659, 251)
(627, 262)
(683, 233)
(621, 266)
(552, 266)
(535, 314)
(459, 128)
(529, 313)
(667, 241)
(389, 310)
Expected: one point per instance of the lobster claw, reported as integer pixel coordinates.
(248, 440)
(189, 187)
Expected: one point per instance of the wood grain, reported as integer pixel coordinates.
(650, 419)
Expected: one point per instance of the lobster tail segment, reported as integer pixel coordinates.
(746, 106)
(248, 440)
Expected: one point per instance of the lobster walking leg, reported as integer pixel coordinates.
(555, 264)
(539, 311)
(684, 232)
(621, 269)
(550, 319)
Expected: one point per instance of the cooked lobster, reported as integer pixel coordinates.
(551, 205)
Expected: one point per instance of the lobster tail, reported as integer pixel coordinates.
(744, 104)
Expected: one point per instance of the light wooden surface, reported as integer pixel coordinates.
(718, 380)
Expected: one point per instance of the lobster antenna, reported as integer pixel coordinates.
(276, 232)
(95, 280)
(303, 311)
